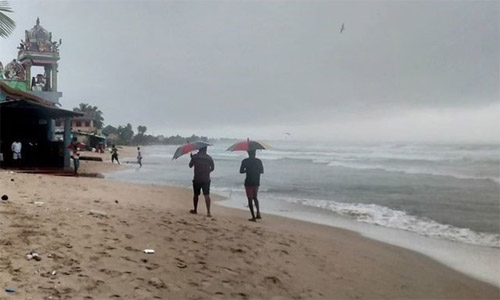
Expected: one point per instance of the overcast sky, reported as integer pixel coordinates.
(400, 71)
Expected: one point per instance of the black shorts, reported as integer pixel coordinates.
(198, 186)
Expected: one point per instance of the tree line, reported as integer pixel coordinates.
(125, 135)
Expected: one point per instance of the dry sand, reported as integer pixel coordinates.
(90, 234)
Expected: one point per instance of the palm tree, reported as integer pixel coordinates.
(7, 25)
(92, 112)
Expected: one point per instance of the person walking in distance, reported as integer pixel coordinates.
(114, 154)
(252, 167)
(203, 165)
(139, 157)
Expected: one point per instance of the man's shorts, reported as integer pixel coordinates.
(198, 186)
(252, 191)
(16, 155)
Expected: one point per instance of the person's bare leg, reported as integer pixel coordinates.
(195, 205)
(250, 206)
(257, 207)
(207, 202)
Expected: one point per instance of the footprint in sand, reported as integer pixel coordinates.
(239, 296)
(128, 248)
(128, 259)
(152, 266)
(112, 273)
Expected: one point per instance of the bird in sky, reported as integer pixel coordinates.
(342, 28)
(288, 133)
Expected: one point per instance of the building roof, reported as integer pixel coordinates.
(36, 109)
(13, 95)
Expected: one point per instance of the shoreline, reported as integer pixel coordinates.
(98, 256)
(456, 255)
(481, 268)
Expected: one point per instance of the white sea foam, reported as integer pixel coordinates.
(383, 216)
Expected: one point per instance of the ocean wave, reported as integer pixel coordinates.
(398, 152)
(383, 216)
(408, 170)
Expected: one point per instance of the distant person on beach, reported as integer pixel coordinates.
(203, 166)
(16, 148)
(75, 154)
(252, 167)
(139, 157)
(114, 154)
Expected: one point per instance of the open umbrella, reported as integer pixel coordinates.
(186, 148)
(248, 145)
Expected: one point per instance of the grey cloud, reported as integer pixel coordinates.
(167, 64)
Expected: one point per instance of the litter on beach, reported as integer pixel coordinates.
(149, 251)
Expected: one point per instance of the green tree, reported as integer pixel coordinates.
(125, 134)
(109, 129)
(91, 112)
(141, 130)
(7, 25)
(139, 138)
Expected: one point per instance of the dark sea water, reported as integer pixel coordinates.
(445, 191)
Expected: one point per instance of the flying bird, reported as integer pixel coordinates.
(342, 28)
(288, 133)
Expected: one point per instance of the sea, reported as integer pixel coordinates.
(442, 200)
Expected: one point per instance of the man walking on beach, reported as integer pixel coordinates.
(114, 154)
(139, 157)
(203, 166)
(253, 167)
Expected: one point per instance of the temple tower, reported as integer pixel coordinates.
(38, 50)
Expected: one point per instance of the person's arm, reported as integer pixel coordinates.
(243, 168)
(212, 165)
(191, 162)
(261, 167)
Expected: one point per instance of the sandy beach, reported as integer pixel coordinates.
(90, 234)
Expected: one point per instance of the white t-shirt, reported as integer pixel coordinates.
(16, 147)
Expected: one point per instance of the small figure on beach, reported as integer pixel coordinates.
(16, 148)
(203, 166)
(114, 154)
(75, 154)
(252, 167)
(139, 157)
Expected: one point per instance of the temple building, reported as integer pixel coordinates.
(28, 104)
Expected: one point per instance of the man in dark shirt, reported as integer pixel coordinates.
(252, 166)
(203, 166)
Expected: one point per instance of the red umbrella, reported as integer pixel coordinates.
(248, 145)
(186, 148)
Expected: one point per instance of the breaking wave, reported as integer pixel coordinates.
(383, 216)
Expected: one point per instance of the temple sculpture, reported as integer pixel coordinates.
(38, 50)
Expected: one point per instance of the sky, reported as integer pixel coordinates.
(415, 71)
